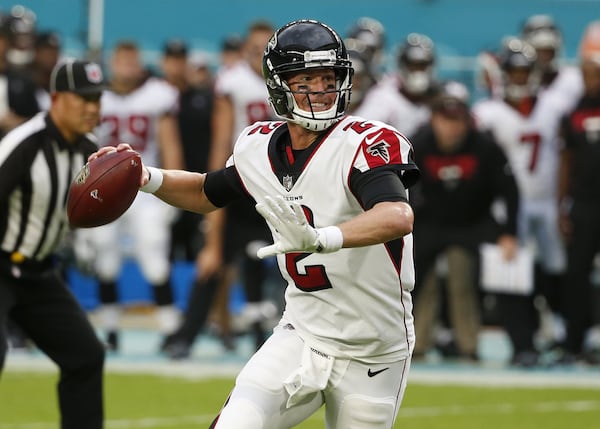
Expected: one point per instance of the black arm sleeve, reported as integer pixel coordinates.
(223, 186)
(377, 185)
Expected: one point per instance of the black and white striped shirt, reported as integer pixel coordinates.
(36, 168)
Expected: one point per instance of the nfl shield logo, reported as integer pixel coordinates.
(93, 73)
(288, 182)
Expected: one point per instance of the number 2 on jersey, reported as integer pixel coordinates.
(314, 277)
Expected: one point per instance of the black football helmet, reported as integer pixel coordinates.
(416, 58)
(516, 54)
(297, 46)
(362, 78)
(367, 35)
(370, 31)
(20, 24)
(541, 32)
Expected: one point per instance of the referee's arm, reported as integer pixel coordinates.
(14, 163)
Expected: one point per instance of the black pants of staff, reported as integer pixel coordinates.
(47, 312)
(578, 290)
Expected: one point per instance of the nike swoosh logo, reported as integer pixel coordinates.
(370, 141)
(374, 373)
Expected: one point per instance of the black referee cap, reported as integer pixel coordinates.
(80, 77)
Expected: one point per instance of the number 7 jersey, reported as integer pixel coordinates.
(355, 302)
(530, 142)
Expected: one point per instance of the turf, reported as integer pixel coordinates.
(28, 401)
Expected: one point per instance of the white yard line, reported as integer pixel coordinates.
(405, 413)
(576, 377)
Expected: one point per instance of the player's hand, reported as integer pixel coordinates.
(144, 178)
(565, 226)
(108, 149)
(292, 231)
(509, 245)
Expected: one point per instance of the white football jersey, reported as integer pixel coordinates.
(384, 102)
(133, 118)
(356, 301)
(248, 93)
(530, 142)
(566, 89)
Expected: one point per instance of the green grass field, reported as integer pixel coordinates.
(28, 401)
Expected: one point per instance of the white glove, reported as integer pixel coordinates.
(293, 233)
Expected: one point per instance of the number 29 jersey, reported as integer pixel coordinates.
(133, 118)
(355, 302)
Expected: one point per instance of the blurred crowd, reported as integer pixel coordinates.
(514, 170)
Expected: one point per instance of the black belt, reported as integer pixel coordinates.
(16, 264)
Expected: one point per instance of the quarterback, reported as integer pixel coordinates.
(333, 190)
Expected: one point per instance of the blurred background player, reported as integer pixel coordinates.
(550, 72)
(142, 112)
(194, 81)
(17, 92)
(365, 43)
(362, 80)
(402, 99)
(18, 101)
(47, 51)
(463, 168)
(232, 235)
(579, 197)
(525, 122)
(542, 32)
(562, 85)
(367, 36)
(200, 75)
(21, 22)
(231, 51)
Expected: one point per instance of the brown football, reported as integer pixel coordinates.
(104, 189)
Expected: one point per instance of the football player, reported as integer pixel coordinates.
(525, 122)
(141, 112)
(18, 100)
(401, 99)
(241, 99)
(363, 79)
(541, 32)
(333, 191)
(367, 35)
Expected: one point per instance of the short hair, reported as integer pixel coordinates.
(126, 45)
(260, 26)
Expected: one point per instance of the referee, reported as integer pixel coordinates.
(38, 160)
